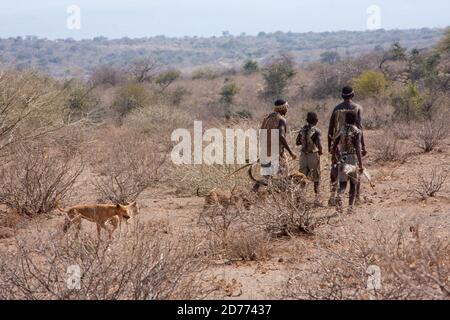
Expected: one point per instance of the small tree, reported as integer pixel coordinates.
(127, 166)
(143, 70)
(30, 105)
(178, 94)
(227, 95)
(250, 66)
(407, 103)
(370, 83)
(431, 133)
(165, 79)
(106, 75)
(277, 77)
(130, 97)
(395, 53)
(80, 101)
(35, 179)
(330, 57)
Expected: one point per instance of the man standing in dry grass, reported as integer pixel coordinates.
(347, 155)
(337, 122)
(276, 121)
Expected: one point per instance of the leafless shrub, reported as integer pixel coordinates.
(231, 237)
(30, 105)
(36, 178)
(286, 211)
(153, 120)
(431, 134)
(387, 148)
(231, 234)
(247, 245)
(430, 183)
(126, 166)
(142, 265)
(106, 75)
(219, 220)
(408, 266)
(402, 131)
(143, 70)
(379, 116)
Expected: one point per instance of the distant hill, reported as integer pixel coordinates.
(67, 57)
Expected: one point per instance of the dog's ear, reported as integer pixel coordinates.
(133, 204)
(118, 206)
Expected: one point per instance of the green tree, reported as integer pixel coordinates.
(228, 93)
(395, 53)
(129, 97)
(80, 100)
(330, 57)
(165, 79)
(250, 66)
(277, 77)
(407, 103)
(370, 83)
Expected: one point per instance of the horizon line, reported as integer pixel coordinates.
(229, 35)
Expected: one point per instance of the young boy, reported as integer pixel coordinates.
(347, 153)
(309, 140)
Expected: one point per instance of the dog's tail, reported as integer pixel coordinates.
(201, 195)
(57, 205)
(67, 221)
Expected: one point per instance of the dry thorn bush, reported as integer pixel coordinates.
(141, 266)
(126, 165)
(231, 236)
(402, 131)
(413, 265)
(431, 134)
(286, 211)
(36, 177)
(30, 106)
(246, 245)
(430, 183)
(244, 233)
(387, 148)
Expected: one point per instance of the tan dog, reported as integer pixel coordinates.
(107, 217)
(224, 198)
(299, 178)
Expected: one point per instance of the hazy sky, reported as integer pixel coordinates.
(141, 18)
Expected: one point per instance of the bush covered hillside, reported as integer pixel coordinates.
(67, 57)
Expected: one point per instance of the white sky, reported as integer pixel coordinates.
(141, 18)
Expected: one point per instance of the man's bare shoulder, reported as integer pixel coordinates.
(357, 106)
